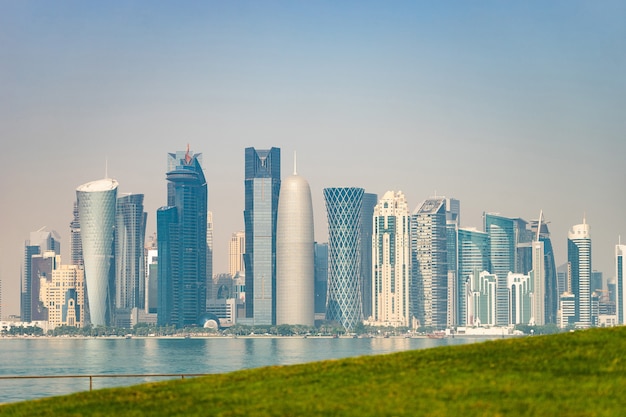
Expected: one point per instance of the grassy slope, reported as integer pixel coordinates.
(574, 374)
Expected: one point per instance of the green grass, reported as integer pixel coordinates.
(573, 374)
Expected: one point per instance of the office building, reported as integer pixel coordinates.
(40, 241)
(391, 267)
(620, 270)
(367, 214)
(550, 276)
(295, 272)
(520, 288)
(579, 258)
(429, 263)
(321, 278)
(236, 249)
(96, 211)
(76, 247)
(130, 233)
(481, 299)
(472, 256)
(262, 188)
(63, 295)
(344, 210)
(182, 243)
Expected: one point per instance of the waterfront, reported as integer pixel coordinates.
(211, 355)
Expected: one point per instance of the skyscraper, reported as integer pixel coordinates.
(429, 263)
(620, 274)
(262, 188)
(76, 247)
(236, 249)
(130, 234)
(343, 208)
(96, 211)
(392, 256)
(182, 243)
(321, 277)
(579, 257)
(473, 258)
(39, 242)
(295, 275)
(367, 214)
(64, 296)
(209, 246)
(551, 291)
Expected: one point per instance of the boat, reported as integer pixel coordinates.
(436, 335)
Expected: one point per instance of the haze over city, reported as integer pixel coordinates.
(509, 107)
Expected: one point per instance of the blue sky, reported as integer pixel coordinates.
(511, 107)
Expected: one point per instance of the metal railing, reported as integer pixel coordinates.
(91, 377)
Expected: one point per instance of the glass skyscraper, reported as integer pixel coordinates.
(620, 270)
(130, 232)
(367, 214)
(182, 243)
(321, 276)
(429, 263)
(96, 211)
(344, 210)
(473, 258)
(262, 188)
(579, 257)
(551, 294)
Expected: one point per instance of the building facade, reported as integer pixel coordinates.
(367, 214)
(236, 249)
(579, 258)
(620, 275)
(262, 189)
(96, 211)
(344, 210)
(295, 270)
(63, 295)
(391, 266)
(182, 244)
(472, 256)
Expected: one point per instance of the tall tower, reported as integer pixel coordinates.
(182, 245)
(76, 247)
(96, 210)
(343, 207)
(367, 215)
(391, 266)
(429, 262)
(262, 188)
(550, 283)
(321, 276)
(130, 234)
(620, 274)
(579, 257)
(236, 249)
(295, 278)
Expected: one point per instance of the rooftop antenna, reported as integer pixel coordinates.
(295, 161)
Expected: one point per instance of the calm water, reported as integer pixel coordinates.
(71, 356)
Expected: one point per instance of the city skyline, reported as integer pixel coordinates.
(510, 108)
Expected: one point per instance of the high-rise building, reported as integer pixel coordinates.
(472, 258)
(63, 295)
(321, 277)
(455, 286)
(39, 242)
(236, 249)
(76, 247)
(344, 210)
(262, 188)
(96, 211)
(391, 266)
(550, 277)
(130, 234)
(182, 243)
(481, 299)
(520, 287)
(620, 276)
(429, 263)
(295, 273)
(209, 246)
(579, 257)
(367, 214)
(152, 280)
(42, 266)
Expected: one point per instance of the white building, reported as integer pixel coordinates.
(295, 273)
(64, 296)
(391, 259)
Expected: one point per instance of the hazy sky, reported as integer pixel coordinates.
(511, 107)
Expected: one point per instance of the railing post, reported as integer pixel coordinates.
(90, 382)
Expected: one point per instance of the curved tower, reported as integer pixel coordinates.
(343, 304)
(96, 211)
(295, 273)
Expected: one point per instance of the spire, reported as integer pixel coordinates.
(539, 225)
(295, 171)
(187, 156)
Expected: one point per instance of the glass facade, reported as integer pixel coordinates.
(473, 258)
(429, 263)
(182, 245)
(367, 214)
(96, 211)
(130, 232)
(321, 276)
(620, 269)
(262, 188)
(579, 257)
(551, 295)
(344, 210)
